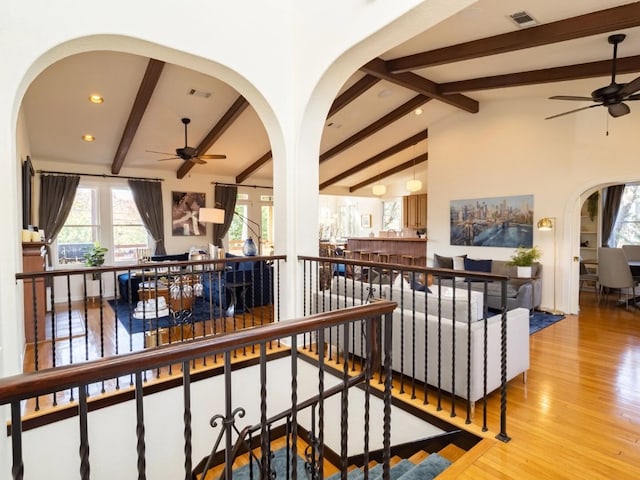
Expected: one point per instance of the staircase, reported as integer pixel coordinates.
(420, 466)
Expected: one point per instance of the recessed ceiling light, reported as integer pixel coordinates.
(88, 138)
(95, 98)
(418, 111)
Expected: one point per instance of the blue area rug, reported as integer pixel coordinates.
(201, 310)
(540, 320)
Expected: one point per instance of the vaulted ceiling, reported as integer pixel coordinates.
(371, 133)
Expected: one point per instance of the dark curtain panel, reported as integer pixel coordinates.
(148, 198)
(56, 198)
(612, 197)
(225, 197)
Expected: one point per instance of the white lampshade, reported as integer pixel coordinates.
(414, 185)
(211, 215)
(379, 189)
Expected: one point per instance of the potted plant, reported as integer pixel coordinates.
(94, 257)
(524, 258)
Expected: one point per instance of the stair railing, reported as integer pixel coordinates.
(321, 293)
(15, 389)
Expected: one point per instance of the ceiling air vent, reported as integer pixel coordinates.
(198, 93)
(523, 19)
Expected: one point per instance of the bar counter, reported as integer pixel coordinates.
(413, 246)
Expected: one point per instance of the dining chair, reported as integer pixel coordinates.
(589, 277)
(614, 273)
(632, 252)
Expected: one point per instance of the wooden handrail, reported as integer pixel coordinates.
(28, 385)
(146, 266)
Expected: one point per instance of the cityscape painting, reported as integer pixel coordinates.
(493, 222)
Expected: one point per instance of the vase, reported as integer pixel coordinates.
(249, 248)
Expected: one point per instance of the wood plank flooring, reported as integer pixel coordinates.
(578, 415)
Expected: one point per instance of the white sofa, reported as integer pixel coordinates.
(409, 326)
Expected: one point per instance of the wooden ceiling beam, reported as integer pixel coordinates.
(418, 137)
(419, 84)
(353, 92)
(546, 75)
(349, 95)
(376, 126)
(246, 173)
(145, 91)
(392, 171)
(602, 21)
(230, 116)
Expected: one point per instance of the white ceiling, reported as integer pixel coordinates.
(58, 113)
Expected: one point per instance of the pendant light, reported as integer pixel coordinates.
(379, 189)
(414, 185)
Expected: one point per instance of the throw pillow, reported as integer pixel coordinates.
(442, 262)
(459, 262)
(474, 265)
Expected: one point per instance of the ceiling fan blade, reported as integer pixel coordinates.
(573, 111)
(618, 109)
(169, 158)
(630, 88)
(213, 157)
(197, 160)
(163, 153)
(635, 96)
(570, 97)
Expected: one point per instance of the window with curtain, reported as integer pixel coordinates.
(129, 232)
(81, 229)
(626, 230)
(103, 213)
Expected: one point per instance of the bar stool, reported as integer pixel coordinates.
(408, 259)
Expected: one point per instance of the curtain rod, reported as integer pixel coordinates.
(101, 175)
(239, 185)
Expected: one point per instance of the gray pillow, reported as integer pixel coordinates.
(442, 262)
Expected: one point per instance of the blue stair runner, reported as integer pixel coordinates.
(429, 468)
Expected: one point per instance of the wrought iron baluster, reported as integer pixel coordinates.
(186, 395)
(503, 367)
(85, 468)
(294, 401)
(386, 427)
(17, 468)
(344, 410)
(140, 430)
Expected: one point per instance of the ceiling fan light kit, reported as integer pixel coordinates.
(611, 96)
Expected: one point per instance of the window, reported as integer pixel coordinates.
(238, 230)
(103, 213)
(391, 215)
(81, 229)
(626, 230)
(129, 233)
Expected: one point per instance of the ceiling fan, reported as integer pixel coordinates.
(610, 96)
(187, 153)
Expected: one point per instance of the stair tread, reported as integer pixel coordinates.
(452, 452)
(428, 469)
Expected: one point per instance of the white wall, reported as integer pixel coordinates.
(511, 150)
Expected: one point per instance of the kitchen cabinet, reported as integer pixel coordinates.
(414, 211)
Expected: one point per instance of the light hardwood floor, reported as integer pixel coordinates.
(578, 415)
